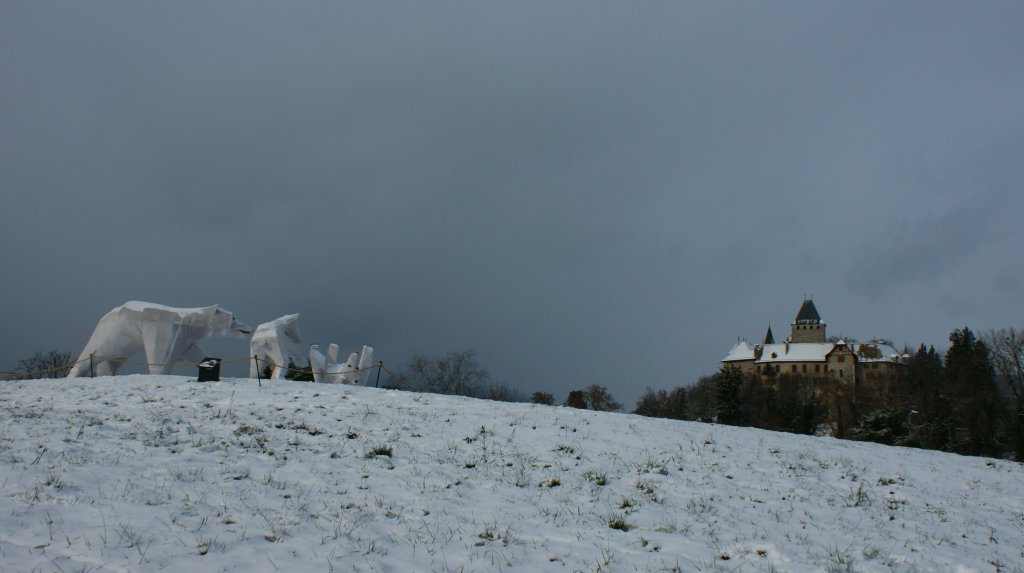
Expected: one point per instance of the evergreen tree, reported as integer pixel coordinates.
(978, 409)
(676, 404)
(799, 409)
(700, 403)
(728, 389)
(930, 417)
(758, 401)
(884, 426)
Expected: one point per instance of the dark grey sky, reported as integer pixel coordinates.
(582, 192)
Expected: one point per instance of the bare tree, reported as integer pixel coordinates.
(593, 397)
(576, 399)
(662, 403)
(1006, 349)
(501, 392)
(600, 399)
(52, 364)
(456, 373)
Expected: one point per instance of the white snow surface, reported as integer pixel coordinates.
(150, 473)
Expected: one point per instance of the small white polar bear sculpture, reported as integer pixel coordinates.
(165, 334)
(277, 342)
(355, 370)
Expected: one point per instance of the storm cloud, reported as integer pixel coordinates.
(583, 193)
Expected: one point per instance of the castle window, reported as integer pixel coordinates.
(803, 368)
(817, 367)
(794, 368)
(841, 358)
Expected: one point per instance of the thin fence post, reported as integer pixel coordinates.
(380, 365)
(256, 360)
(92, 370)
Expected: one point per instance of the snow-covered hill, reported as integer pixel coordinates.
(147, 473)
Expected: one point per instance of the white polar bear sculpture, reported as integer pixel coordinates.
(355, 370)
(165, 334)
(277, 342)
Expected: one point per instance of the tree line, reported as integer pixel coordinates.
(459, 373)
(456, 373)
(969, 401)
(52, 364)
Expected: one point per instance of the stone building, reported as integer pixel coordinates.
(806, 352)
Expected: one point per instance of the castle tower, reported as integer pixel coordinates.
(808, 326)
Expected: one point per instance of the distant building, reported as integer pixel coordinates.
(807, 353)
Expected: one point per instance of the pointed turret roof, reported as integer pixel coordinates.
(768, 338)
(808, 314)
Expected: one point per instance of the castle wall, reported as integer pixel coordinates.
(842, 364)
(808, 332)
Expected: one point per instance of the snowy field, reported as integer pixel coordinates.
(149, 473)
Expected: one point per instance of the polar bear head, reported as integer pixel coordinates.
(224, 323)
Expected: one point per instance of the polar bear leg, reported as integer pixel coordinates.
(108, 366)
(166, 345)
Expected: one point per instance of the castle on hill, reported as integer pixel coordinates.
(806, 352)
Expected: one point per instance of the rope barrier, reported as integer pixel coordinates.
(31, 373)
(23, 374)
(390, 373)
(303, 370)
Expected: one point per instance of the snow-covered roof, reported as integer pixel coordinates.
(796, 352)
(742, 351)
(818, 351)
(811, 352)
(886, 352)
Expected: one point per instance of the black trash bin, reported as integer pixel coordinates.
(209, 370)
